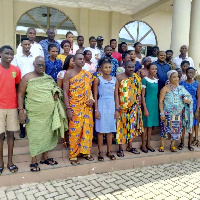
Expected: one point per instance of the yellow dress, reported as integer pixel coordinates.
(61, 57)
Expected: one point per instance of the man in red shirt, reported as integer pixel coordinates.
(10, 76)
(115, 54)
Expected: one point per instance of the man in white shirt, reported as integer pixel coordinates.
(183, 56)
(96, 55)
(36, 49)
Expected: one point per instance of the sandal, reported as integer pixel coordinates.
(49, 161)
(133, 150)
(195, 143)
(120, 153)
(161, 149)
(34, 167)
(180, 146)
(173, 149)
(74, 161)
(110, 155)
(13, 168)
(143, 150)
(191, 148)
(100, 158)
(88, 157)
(1, 170)
(150, 149)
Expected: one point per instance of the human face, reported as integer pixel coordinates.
(53, 52)
(80, 41)
(88, 56)
(113, 44)
(127, 58)
(92, 43)
(153, 70)
(51, 34)
(108, 51)
(138, 48)
(71, 63)
(79, 60)
(26, 45)
(132, 55)
(184, 67)
(183, 49)
(155, 51)
(129, 69)
(100, 43)
(106, 68)
(190, 74)
(124, 47)
(7, 56)
(70, 37)
(147, 62)
(39, 65)
(66, 48)
(174, 78)
(179, 70)
(31, 34)
(169, 55)
(161, 56)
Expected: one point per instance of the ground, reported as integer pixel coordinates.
(169, 182)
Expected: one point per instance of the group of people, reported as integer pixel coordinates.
(67, 90)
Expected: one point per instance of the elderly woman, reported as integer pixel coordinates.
(176, 110)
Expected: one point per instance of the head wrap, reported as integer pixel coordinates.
(145, 59)
(169, 73)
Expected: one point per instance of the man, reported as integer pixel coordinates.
(162, 69)
(169, 56)
(77, 97)
(129, 124)
(44, 116)
(183, 56)
(96, 55)
(36, 48)
(115, 54)
(80, 42)
(114, 62)
(154, 53)
(10, 76)
(100, 45)
(50, 40)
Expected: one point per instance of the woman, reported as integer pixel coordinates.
(89, 66)
(176, 110)
(70, 38)
(138, 48)
(133, 59)
(145, 62)
(65, 45)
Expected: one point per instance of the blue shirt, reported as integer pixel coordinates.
(137, 66)
(53, 68)
(45, 43)
(162, 70)
(114, 65)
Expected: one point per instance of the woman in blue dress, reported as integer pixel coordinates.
(106, 107)
(193, 88)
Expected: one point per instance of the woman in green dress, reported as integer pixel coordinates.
(150, 106)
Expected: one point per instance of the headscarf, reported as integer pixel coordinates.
(145, 59)
(169, 73)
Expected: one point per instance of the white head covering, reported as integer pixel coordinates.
(169, 73)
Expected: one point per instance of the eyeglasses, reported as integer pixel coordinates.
(41, 65)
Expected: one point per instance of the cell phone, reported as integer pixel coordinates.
(27, 120)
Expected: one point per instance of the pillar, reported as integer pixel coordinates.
(194, 34)
(114, 25)
(180, 25)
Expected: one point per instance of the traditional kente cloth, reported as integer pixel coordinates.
(129, 124)
(81, 128)
(47, 118)
(177, 114)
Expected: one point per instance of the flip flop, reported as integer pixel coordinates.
(49, 161)
(34, 167)
(110, 155)
(133, 150)
(161, 149)
(120, 153)
(74, 161)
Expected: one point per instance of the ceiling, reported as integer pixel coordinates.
(122, 6)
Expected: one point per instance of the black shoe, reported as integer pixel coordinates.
(22, 135)
(145, 151)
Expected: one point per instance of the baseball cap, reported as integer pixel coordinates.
(100, 38)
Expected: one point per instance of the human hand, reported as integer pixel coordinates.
(22, 118)
(97, 115)
(56, 96)
(146, 113)
(186, 100)
(70, 114)
(162, 117)
(116, 116)
(196, 114)
(90, 103)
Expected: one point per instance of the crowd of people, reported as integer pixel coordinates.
(52, 90)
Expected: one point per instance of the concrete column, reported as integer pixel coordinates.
(1, 24)
(194, 34)
(114, 26)
(84, 25)
(180, 24)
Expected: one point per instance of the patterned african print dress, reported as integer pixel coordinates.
(129, 124)
(81, 128)
(177, 113)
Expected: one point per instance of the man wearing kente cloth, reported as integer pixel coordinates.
(129, 124)
(78, 100)
(45, 114)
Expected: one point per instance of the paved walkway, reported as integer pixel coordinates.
(168, 182)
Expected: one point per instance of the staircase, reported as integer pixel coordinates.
(64, 169)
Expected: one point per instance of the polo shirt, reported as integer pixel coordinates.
(96, 54)
(25, 63)
(45, 43)
(117, 56)
(8, 80)
(162, 70)
(178, 60)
